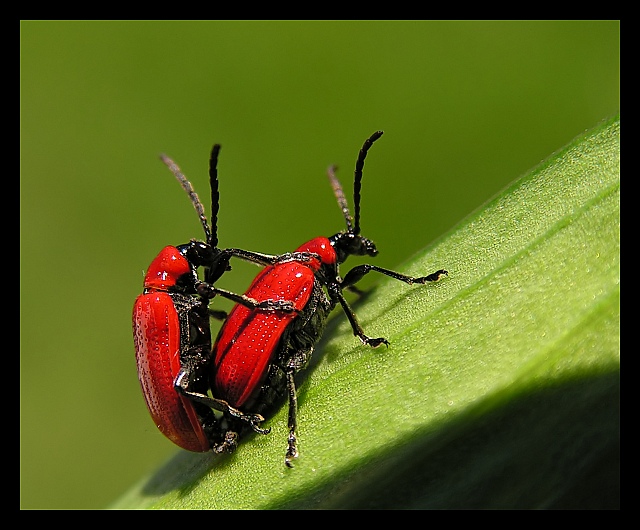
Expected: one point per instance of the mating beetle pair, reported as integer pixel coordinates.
(268, 336)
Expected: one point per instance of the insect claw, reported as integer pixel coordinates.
(436, 276)
(292, 451)
(374, 343)
(254, 420)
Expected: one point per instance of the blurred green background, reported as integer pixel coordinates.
(466, 108)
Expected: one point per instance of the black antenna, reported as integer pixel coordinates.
(193, 196)
(357, 183)
(215, 195)
(342, 201)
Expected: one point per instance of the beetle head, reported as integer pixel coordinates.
(349, 244)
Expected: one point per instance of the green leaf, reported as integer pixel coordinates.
(501, 385)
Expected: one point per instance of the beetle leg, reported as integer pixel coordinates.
(182, 386)
(303, 257)
(252, 419)
(267, 259)
(208, 291)
(294, 364)
(356, 274)
(292, 449)
(336, 293)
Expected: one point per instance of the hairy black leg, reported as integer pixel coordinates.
(267, 259)
(336, 294)
(208, 291)
(358, 272)
(355, 275)
(182, 385)
(292, 449)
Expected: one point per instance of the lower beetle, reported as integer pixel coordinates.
(257, 353)
(172, 335)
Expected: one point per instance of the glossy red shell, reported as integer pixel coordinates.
(166, 268)
(156, 332)
(323, 248)
(249, 338)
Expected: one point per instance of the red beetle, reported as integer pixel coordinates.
(257, 353)
(172, 335)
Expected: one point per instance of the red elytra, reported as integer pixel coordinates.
(156, 332)
(256, 355)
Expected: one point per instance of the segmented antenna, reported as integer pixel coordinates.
(193, 196)
(215, 194)
(339, 193)
(357, 183)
